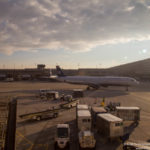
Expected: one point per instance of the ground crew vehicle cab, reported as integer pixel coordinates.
(62, 138)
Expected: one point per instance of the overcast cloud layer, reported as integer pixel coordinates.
(77, 25)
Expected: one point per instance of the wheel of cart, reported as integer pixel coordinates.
(55, 115)
(55, 146)
(68, 146)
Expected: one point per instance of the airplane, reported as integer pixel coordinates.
(96, 81)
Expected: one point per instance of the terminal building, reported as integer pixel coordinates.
(25, 74)
(138, 70)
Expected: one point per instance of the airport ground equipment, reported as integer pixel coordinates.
(95, 110)
(62, 138)
(136, 146)
(67, 98)
(77, 93)
(86, 140)
(109, 125)
(11, 125)
(85, 135)
(9, 79)
(3, 123)
(70, 104)
(8, 107)
(82, 107)
(112, 106)
(48, 94)
(128, 113)
(50, 113)
(84, 120)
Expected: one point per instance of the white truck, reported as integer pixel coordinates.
(85, 136)
(48, 94)
(62, 138)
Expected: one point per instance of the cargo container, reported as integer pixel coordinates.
(110, 126)
(128, 113)
(85, 135)
(83, 120)
(82, 107)
(96, 110)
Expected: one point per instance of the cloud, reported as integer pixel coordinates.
(75, 25)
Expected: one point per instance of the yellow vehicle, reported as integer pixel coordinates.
(86, 140)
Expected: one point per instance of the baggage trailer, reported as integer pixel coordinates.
(110, 126)
(70, 104)
(96, 110)
(85, 136)
(50, 113)
(128, 113)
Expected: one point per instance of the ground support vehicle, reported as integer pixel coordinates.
(82, 107)
(4, 111)
(62, 138)
(128, 113)
(48, 94)
(67, 98)
(9, 79)
(70, 104)
(95, 111)
(50, 113)
(112, 106)
(86, 140)
(85, 135)
(136, 146)
(77, 93)
(84, 120)
(109, 125)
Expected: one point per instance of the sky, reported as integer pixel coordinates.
(73, 33)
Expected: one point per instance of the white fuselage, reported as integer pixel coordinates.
(99, 81)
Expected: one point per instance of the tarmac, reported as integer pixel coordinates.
(39, 135)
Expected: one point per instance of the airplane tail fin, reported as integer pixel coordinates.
(59, 71)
